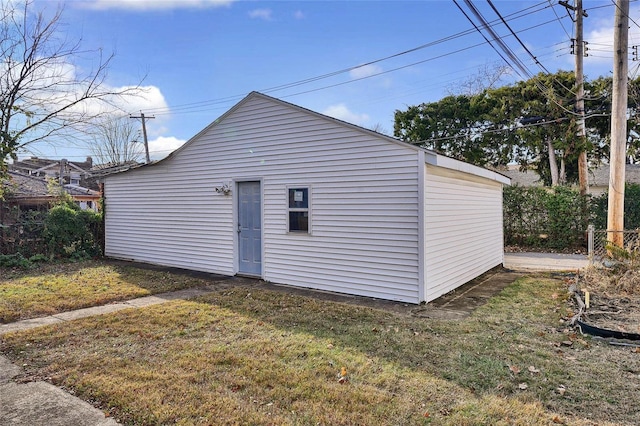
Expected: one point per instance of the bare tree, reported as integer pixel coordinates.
(43, 94)
(116, 142)
(489, 76)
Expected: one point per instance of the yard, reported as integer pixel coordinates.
(255, 356)
(53, 288)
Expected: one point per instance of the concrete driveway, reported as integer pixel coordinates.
(545, 261)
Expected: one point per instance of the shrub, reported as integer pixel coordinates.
(544, 218)
(71, 233)
(599, 208)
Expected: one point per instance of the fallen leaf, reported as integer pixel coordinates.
(533, 370)
(523, 386)
(557, 419)
(554, 296)
(330, 346)
(561, 390)
(514, 369)
(566, 343)
(426, 414)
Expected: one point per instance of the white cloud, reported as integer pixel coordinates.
(600, 40)
(136, 99)
(163, 146)
(365, 71)
(58, 84)
(264, 14)
(341, 112)
(152, 4)
(298, 14)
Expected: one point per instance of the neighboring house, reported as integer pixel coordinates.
(522, 177)
(279, 192)
(32, 193)
(26, 200)
(72, 172)
(598, 177)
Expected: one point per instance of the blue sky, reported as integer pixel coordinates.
(200, 57)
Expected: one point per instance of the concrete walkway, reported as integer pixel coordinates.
(545, 261)
(42, 404)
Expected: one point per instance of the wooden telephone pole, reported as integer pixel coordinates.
(615, 214)
(144, 133)
(583, 167)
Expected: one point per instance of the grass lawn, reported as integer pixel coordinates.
(257, 357)
(52, 288)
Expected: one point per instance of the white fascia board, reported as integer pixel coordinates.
(449, 163)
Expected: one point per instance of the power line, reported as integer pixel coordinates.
(513, 16)
(517, 38)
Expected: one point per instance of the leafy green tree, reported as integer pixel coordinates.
(533, 123)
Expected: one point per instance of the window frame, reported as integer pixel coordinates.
(307, 209)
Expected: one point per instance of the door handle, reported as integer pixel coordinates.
(239, 227)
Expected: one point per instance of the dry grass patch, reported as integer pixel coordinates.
(245, 356)
(54, 288)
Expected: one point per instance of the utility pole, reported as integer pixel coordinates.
(615, 213)
(583, 167)
(63, 169)
(144, 133)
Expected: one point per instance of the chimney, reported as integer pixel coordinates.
(89, 162)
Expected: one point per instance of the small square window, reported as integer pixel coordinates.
(298, 209)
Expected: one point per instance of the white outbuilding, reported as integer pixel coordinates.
(275, 191)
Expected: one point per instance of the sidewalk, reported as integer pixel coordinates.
(42, 404)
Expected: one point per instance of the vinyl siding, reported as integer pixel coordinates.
(364, 203)
(463, 228)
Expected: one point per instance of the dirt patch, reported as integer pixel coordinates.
(614, 299)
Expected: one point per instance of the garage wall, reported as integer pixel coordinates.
(364, 202)
(463, 228)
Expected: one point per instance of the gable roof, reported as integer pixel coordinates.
(432, 157)
(36, 164)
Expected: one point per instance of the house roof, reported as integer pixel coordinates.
(598, 177)
(25, 186)
(523, 178)
(40, 164)
(79, 190)
(432, 157)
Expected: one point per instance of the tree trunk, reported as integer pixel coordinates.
(562, 176)
(553, 163)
